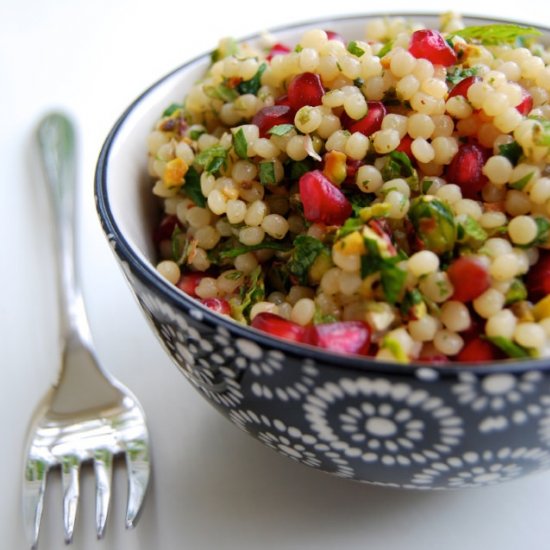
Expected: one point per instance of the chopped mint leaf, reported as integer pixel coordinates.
(516, 293)
(521, 183)
(468, 229)
(281, 129)
(267, 172)
(512, 151)
(510, 348)
(192, 187)
(458, 74)
(385, 48)
(212, 159)
(252, 291)
(306, 249)
(243, 249)
(226, 47)
(491, 35)
(240, 144)
(171, 109)
(355, 49)
(254, 84)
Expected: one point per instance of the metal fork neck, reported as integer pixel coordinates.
(57, 142)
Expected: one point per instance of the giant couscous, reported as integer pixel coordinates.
(386, 196)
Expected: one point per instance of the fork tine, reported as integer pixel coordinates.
(70, 473)
(103, 466)
(138, 465)
(34, 487)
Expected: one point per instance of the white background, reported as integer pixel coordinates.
(213, 486)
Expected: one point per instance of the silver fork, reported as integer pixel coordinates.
(87, 415)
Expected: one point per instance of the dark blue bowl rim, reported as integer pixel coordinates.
(145, 272)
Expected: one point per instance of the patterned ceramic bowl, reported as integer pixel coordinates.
(401, 426)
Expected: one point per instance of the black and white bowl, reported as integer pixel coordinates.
(401, 426)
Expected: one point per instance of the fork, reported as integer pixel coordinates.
(87, 415)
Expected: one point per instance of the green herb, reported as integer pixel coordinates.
(412, 306)
(222, 91)
(179, 245)
(281, 129)
(543, 233)
(459, 73)
(233, 275)
(385, 49)
(196, 133)
(267, 172)
(306, 249)
(426, 184)
(392, 277)
(434, 223)
(469, 230)
(295, 169)
(512, 151)
(521, 183)
(393, 280)
(252, 291)
(516, 293)
(355, 49)
(320, 318)
(541, 131)
(491, 35)
(239, 144)
(233, 252)
(192, 187)
(510, 348)
(254, 84)
(226, 47)
(171, 109)
(212, 159)
(350, 226)
(298, 48)
(399, 165)
(359, 200)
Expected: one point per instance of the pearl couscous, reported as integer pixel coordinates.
(386, 196)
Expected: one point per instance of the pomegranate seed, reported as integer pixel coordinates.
(165, 228)
(305, 89)
(268, 117)
(477, 350)
(189, 281)
(538, 277)
(331, 35)
(469, 278)
(322, 201)
(278, 326)
(370, 123)
(465, 170)
(283, 100)
(277, 49)
(462, 87)
(219, 305)
(429, 44)
(405, 146)
(526, 102)
(344, 337)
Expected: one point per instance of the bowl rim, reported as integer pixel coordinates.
(148, 276)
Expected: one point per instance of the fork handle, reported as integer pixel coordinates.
(57, 144)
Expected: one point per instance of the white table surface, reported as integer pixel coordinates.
(213, 486)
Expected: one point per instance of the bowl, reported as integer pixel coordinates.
(407, 426)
